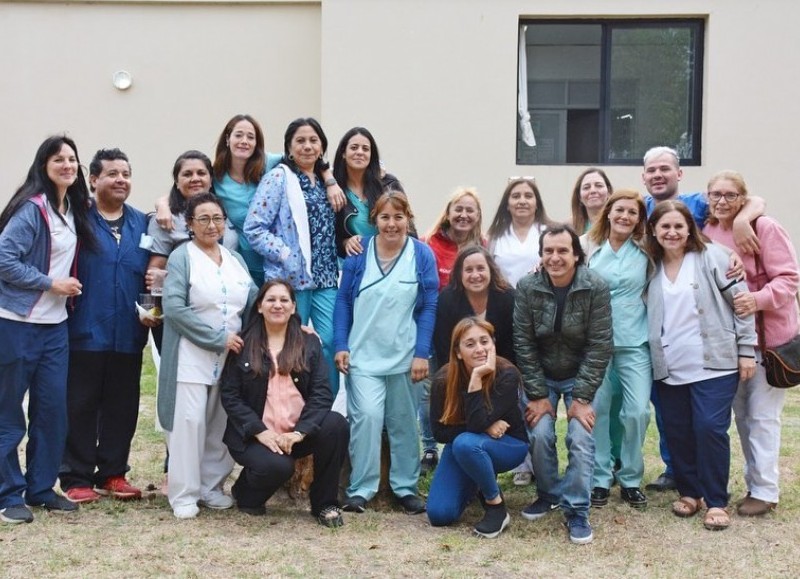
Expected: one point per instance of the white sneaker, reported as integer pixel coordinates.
(185, 511)
(217, 500)
(522, 479)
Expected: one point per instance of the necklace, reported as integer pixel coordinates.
(116, 216)
(114, 224)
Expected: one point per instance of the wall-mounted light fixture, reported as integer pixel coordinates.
(122, 80)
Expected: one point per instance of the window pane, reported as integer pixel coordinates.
(605, 91)
(564, 64)
(651, 96)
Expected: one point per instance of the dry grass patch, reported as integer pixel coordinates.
(143, 539)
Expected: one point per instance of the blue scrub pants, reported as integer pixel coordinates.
(629, 379)
(697, 417)
(373, 401)
(317, 305)
(33, 358)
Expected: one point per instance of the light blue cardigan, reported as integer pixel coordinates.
(726, 336)
(180, 320)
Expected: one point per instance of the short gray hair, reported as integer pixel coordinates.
(658, 151)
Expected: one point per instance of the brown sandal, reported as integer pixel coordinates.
(686, 507)
(716, 519)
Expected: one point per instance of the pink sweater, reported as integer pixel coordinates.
(778, 277)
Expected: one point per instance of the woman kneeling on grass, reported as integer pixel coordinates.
(278, 400)
(475, 413)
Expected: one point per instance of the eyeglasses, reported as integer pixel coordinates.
(205, 220)
(730, 196)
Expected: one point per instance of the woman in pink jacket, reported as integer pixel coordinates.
(772, 278)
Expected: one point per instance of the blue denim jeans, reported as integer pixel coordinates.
(424, 409)
(572, 492)
(468, 464)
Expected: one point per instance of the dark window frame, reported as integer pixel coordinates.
(696, 24)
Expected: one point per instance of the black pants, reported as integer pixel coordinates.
(102, 410)
(265, 472)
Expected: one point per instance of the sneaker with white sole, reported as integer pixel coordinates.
(16, 514)
(580, 531)
(523, 478)
(217, 501)
(495, 520)
(185, 511)
(539, 508)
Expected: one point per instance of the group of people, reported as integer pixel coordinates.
(477, 337)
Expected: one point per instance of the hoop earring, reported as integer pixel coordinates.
(291, 157)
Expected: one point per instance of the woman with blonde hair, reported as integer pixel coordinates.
(458, 226)
(772, 282)
(475, 412)
(614, 248)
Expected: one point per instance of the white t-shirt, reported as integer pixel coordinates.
(51, 308)
(681, 338)
(516, 258)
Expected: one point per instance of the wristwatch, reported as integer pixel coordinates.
(330, 181)
(300, 434)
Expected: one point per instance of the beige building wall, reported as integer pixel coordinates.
(194, 65)
(435, 80)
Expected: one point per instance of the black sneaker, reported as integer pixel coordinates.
(412, 504)
(539, 508)
(430, 459)
(16, 514)
(493, 522)
(599, 497)
(57, 503)
(634, 497)
(663, 483)
(354, 504)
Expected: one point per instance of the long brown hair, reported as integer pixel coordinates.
(456, 375)
(502, 218)
(496, 279)
(580, 217)
(256, 347)
(254, 166)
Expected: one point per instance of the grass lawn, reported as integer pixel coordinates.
(143, 539)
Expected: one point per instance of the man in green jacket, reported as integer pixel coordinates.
(563, 342)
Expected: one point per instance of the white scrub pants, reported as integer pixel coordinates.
(199, 461)
(757, 408)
